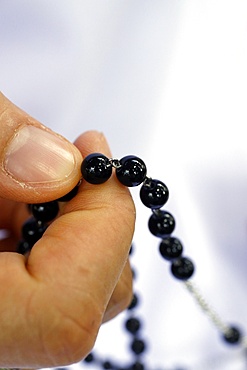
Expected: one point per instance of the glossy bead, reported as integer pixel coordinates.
(170, 248)
(182, 268)
(233, 335)
(133, 325)
(45, 212)
(154, 194)
(138, 346)
(32, 231)
(161, 224)
(132, 171)
(70, 195)
(23, 247)
(96, 168)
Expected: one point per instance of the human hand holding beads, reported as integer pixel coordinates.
(54, 299)
(96, 169)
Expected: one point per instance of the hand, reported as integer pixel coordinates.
(77, 275)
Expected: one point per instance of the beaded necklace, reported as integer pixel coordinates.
(131, 171)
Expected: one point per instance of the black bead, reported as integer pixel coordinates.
(70, 195)
(161, 224)
(134, 302)
(132, 171)
(138, 346)
(96, 168)
(45, 212)
(182, 268)
(32, 231)
(107, 365)
(137, 366)
(154, 194)
(171, 248)
(233, 335)
(23, 247)
(133, 325)
(89, 358)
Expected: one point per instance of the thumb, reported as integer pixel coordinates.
(36, 164)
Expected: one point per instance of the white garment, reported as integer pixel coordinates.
(165, 80)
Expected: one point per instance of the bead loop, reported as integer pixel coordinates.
(115, 163)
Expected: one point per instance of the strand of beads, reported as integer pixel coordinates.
(131, 171)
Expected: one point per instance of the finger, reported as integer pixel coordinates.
(36, 164)
(63, 290)
(122, 294)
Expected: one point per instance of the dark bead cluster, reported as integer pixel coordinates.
(131, 171)
(42, 215)
(34, 227)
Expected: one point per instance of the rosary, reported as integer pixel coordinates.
(131, 171)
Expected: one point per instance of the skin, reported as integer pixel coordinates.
(77, 275)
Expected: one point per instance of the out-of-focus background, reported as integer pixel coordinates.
(165, 80)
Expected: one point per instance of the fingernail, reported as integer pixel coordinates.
(35, 155)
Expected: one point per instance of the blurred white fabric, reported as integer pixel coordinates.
(165, 80)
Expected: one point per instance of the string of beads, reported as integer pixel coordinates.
(131, 171)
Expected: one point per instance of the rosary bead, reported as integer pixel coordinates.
(45, 212)
(89, 358)
(23, 247)
(107, 365)
(182, 268)
(133, 325)
(161, 224)
(32, 231)
(233, 335)
(137, 366)
(154, 194)
(96, 168)
(132, 171)
(170, 248)
(138, 346)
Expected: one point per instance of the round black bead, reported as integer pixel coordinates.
(107, 365)
(89, 358)
(45, 212)
(23, 247)
(233, 335)
(171, 248)
(67, 197)
(32, 231)
(134, 302)
(96, 168)
(182, 268)
(138, 346)
(132, 171)
(161, 224)
(154, 194)
(133, 325)
(137, 366)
